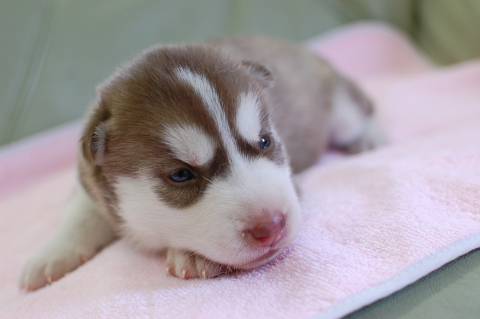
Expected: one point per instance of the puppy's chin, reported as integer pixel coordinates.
(265, 257)
(260, 261)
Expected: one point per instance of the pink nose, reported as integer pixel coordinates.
(268, 233)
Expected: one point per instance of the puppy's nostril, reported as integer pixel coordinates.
(269, 233)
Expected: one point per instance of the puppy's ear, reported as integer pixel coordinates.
(95, 136)
(261, 72)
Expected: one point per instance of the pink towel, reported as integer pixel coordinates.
(372, 223)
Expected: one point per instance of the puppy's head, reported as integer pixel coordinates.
(182, 144)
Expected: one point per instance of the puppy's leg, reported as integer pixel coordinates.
(188, 265)
(353, 126)
(81, 234)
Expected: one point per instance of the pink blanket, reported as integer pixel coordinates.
(372, 223)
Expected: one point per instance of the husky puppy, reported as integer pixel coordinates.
(189, 150)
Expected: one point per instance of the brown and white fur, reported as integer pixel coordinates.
(241, 114)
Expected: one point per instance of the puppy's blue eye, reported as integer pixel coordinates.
(182, 175)
(264, 142)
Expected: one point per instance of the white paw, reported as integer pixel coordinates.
(188, 265)
(51, 264)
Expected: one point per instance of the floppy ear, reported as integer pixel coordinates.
(261, 72)
(95, 136)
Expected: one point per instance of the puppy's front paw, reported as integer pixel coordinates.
(188, 265)
(51, 264)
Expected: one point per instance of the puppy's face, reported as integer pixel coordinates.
(182, 144)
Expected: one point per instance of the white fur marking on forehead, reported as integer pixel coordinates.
(190, 144)
(208, 94)
(248, 117)
(211, 99)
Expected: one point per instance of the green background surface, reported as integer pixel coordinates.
(54, 52)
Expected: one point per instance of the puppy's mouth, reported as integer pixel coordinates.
(271, 254)
(259, 261)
